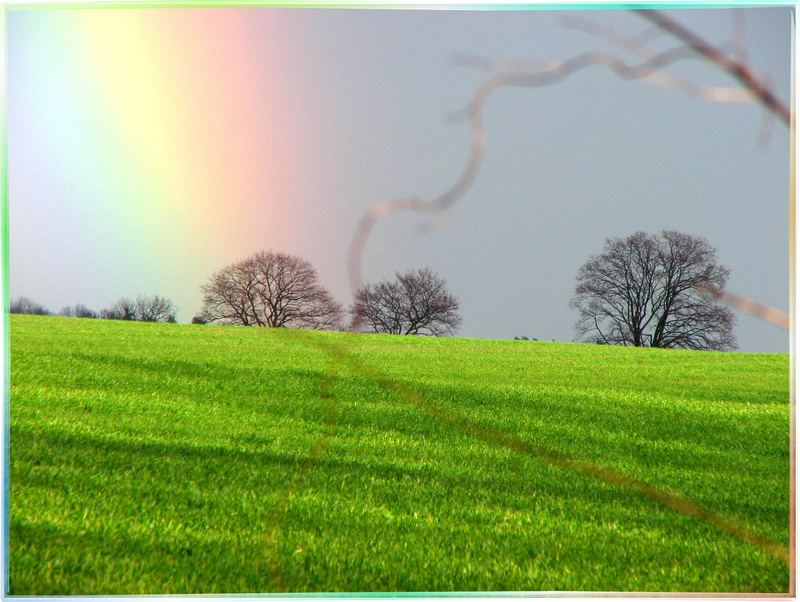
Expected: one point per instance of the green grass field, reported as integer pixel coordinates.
(160, 458)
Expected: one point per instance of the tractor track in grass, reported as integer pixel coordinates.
(340, 355)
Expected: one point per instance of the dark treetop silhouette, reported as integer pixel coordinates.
(144, 309)
(270, 289)
(648, 291)
(416, 302)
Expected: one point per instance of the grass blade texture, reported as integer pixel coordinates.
(163, 458)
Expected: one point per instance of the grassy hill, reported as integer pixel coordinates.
(160, 458)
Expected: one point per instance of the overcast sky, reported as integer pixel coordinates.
(365, 95)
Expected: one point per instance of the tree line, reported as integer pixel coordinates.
(643, 290)
(275, 289)
(144, 308)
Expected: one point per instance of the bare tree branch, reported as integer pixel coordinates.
(519, 74)
(643, 291)
(270, 289)
(533, 74)
(416, 302)
(748, 306)
(23, 305)
(712, 54)
(143, 309)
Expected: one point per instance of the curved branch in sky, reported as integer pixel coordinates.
(536, 73)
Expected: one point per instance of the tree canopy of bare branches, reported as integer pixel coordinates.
(143, 309)
(416, 302)
(648, 291)
(23, 305)
(270, 289)
(79, 311)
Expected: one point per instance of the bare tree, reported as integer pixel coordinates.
(416, 302)
(79, 311)
(143, 309)
(154, 309)
(23, 305)
(647, 291)
(124, 309)
(270, 289)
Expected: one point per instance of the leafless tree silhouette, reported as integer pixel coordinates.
(154, 309)
(143, 309)
(643, 291)
(416, 302)
(23, 305)
(123, 309)
(270, 289)
(79, 311)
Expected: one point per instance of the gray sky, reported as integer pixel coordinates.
(566, 166)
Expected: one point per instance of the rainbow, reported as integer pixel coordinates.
(181, 126)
